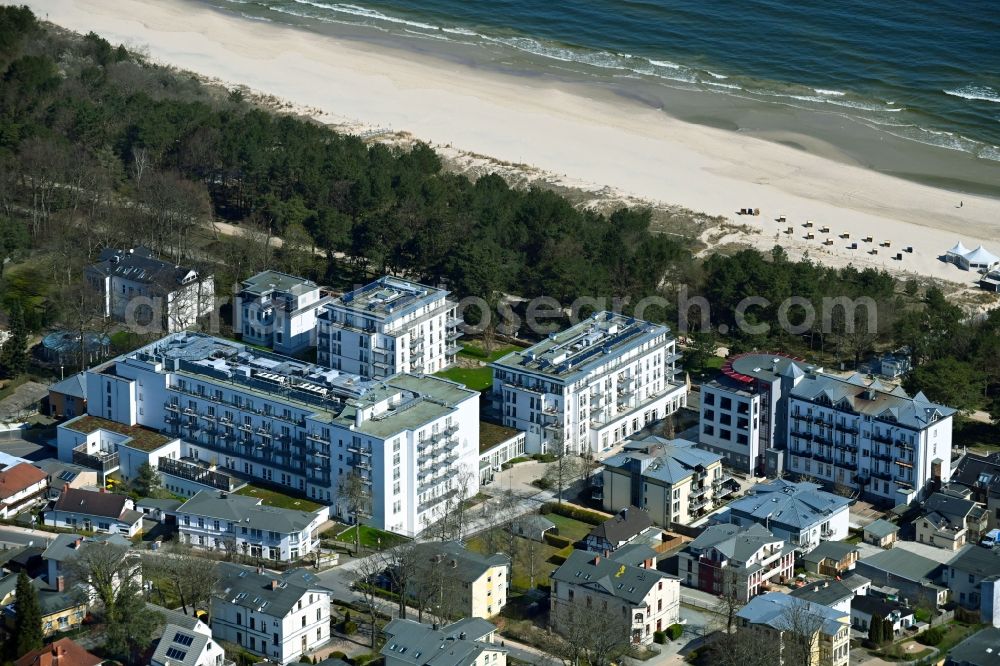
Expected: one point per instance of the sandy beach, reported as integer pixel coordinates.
(581, 134)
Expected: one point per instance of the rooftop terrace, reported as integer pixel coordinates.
(388, 297)
(144, 439)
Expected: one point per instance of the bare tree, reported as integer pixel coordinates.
(401, 566)
(730, 600)
(366, 582)
(800, 625)
(355, 497)
(748, 647)
(598, 636)
(561, 473)
(192, 578)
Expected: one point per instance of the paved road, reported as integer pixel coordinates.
(15, 537)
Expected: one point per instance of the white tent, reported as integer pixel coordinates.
(959, 249)
(981, 259)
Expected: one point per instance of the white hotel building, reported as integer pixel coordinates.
(413, 440)
(279, 311)
(389, 326)
(590, 386)
(850, 432)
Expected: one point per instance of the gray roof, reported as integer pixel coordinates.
(976, 560)
(954, 509)
(139, 265)
(152, 503)
(61, 472)
(835, 550)
(735, 542)
(980, 649)
(246, 511)
(271, 281)
(387, 298)
(183, 644)
(462, 564)
(51, 600)
(981, 473)
(825, 592)
(881, 528)
(626, 525)
(174, 617)
(74, 385)
(858, 396)
(873, 605)
(422, 645)
(669, 461)
(271, 593)
(903, 564)
(535, 523)
(772, 609)
(634, 554)
(606, 575)
(797, 505)
(63, 547)
(7, 585)
(579, 349)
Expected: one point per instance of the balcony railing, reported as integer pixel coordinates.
(102, 461)
(197, 473)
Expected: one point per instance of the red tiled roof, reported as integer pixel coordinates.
(18, 478)
(63, 652)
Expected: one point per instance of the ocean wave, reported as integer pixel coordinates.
(716, 76)
(982, 93)
(991, 153)
(728, 86)
(665, 63)
(831, 93)
(364, 12)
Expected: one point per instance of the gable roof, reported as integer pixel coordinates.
(180, 646)
(74, 385)
(19, 478)
(881, 528)
(608, 576)
(271, 593)
(667, 460)
(63, 652)
(634, 554)
(735, 542)
(903, 564)
(824, 592)
(978, 472)
(978, 561)
(955, 509)
(783, 502)
(457, 644)
(91, 503)
(139, 265)
(834, 550)
(979, 649)
(873, 605)
(66, 547)
(461, 563)
(773, 609)
(627, 524)
(246, 511)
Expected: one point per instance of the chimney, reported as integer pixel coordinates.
(78, 542)
(597, 559)
(434, 626)
(461, 636)
(60, 584)
(274, 583)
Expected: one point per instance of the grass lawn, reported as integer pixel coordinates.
(473, 349)
(280, 500)
(954, 634)
(570, 527)
(371, 537)
(519, 577)
(477, 379)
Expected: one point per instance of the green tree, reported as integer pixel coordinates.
(949, 381)
(27, 617)
(875, 628)
(148, 480)
(14, 353)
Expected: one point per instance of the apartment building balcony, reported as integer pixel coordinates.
(903, 481)
(357, 450)
(197, 473)
(172, 418)
(211, 418)
(885, 438)
(172, 406)
(318, 477)
(823, 438)
(885, 476)
(823, 457)
(453, 335)
(803, 434)
(673, 358)
(102, 461)
(452, 349)
(697, 503)
(435, 501)
(698, 492)
(453, 321)
(848, 428)
(318, 437)
(362, 463)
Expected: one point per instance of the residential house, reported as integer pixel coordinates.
(61, 474)
(836, 594)
(674, 480)
(20, 487)
(799, 513)
(190, 645)
(225, 408)
(831, 558)
(626, 526)
(645, 600)
(981, 475)
(869, 437)
(96, 511)
(140, 289)
(534, 527)
(468, 642)
(950, 521)
(587, 388)
(864, 608)
(732, 560)
(25, 558)
(160, 510)
(279, 311)
(781, 616)
(242, 524)
(979, 649)
(62, 551)
(387, 327)
(744, 410)
(63, 652)
(62, 607)
(881, 533)
(481, 581)
(68, 398)
(280, 616)
(966, 573)
(917, 578)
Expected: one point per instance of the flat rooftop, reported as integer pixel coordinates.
(271, 281)
(388, 297)
(144, 439)
(582, 347)
(491, 434)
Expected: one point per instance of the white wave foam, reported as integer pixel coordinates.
(716, 76)
(991, 153)
(664, 63)
(982, 93)
(364, 12)
(831, 93)
(729, 86)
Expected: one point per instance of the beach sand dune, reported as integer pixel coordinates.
(590, 136)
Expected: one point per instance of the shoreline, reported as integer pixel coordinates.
(585, 135)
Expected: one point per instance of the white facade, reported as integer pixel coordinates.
(240, 524)
(180, 646)
(589, 387)
(138, 288)
(389, 326)
(412, 440)
(799, 513)
(279, 617)
(849, 432)
(278, 311)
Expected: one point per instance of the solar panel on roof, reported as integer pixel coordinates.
(174, 653)
(183, 639)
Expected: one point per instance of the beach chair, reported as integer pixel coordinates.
(899, 256)
(824, 230)
(909, 248)
(782, 219)
(853, 246)
(845, 236)
(756, 211)
(808, 224)
(867, 240)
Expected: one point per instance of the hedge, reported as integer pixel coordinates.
(932, 636)
(659, 637)
(674, 631)
(574, 512)
(557, 541)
